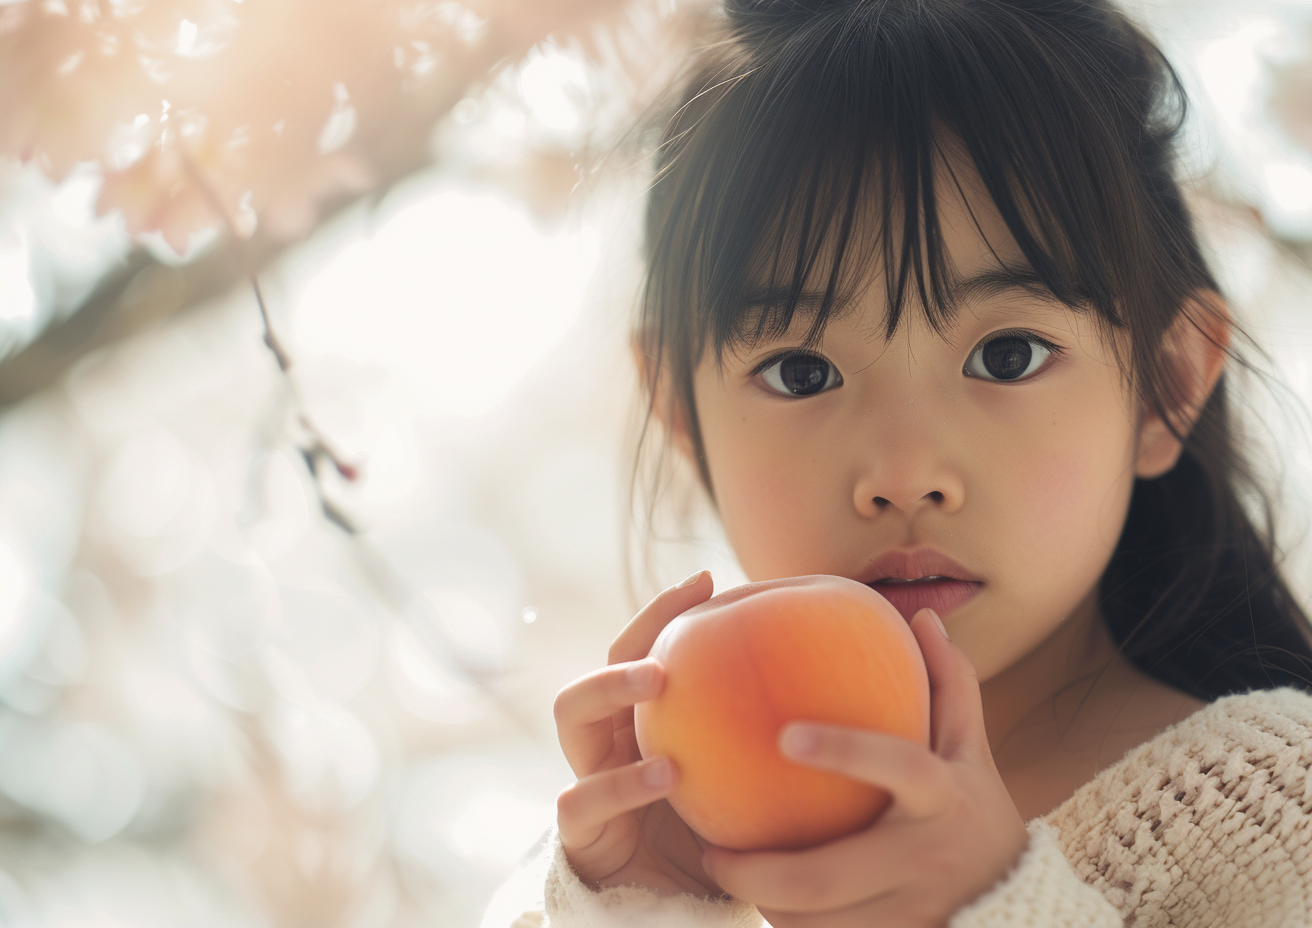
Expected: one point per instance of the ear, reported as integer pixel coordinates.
(665, 401)
(1194, 348)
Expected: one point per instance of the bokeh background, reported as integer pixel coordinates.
(284, 605)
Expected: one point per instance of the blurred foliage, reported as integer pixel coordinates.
(217, 708)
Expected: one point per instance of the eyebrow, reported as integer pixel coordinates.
(994, 281)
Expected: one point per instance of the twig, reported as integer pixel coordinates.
(389, 584)
(270, 339)
(317, 447)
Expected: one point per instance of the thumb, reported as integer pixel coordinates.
(956, 711)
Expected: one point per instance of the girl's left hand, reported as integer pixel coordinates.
(949, 834)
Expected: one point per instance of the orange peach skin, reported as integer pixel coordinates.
(746, 662)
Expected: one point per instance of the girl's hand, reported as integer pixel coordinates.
(613, 828)
(949, 834)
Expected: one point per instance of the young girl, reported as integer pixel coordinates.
(926, 310)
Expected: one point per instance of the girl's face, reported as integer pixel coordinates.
(1000, 458)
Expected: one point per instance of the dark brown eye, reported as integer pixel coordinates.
(1007, 358)
(801, 374)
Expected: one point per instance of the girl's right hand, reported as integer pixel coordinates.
(614, 822)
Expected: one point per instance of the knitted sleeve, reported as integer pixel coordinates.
(1041, 890)
(571, 904)
(1209, 824)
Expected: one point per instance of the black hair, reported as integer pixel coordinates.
(804, 145)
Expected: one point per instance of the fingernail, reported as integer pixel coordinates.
(799, 741)
(691, 580)
(939, 622)
(640, 674)
(658, 774)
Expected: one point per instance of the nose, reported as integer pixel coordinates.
(908, 471)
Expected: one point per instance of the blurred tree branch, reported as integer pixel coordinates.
(141, 293)
(390, 142)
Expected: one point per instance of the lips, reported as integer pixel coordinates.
(942, 595)
(914, 580)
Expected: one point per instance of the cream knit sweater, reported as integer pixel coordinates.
(1209, 824)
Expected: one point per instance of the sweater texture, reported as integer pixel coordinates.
(1208, 825)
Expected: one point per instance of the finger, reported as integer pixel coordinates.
(583, 808)
(842, 873)
(585, 709)
(956, 709)
(635, 641)
(919, 781)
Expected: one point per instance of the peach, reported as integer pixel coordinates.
(742, 665)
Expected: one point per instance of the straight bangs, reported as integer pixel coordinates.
(808, 159)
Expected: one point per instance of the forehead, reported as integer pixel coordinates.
(792, 281)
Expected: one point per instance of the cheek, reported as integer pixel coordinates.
(770, 491)
(759, 503)
(1070, 496)
(1072, 474)
(1074, 500)
(1061, 511)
